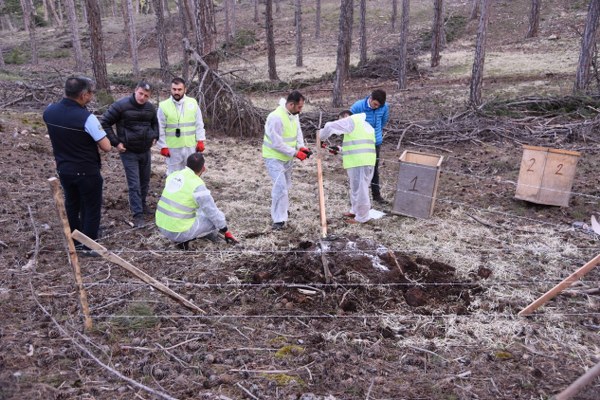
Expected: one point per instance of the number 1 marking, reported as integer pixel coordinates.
(414, 182)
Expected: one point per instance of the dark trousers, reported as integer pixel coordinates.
(83, 202)
(137, 172)
(375, 188)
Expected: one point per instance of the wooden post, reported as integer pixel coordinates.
(579, 384)
(561, 286)
(321, 191)
(135, 271)
(62, 214)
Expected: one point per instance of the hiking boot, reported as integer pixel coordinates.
(277, 226)
(138, 221)
(147, 210)
(184, 245)
(212, 237)
(380, 200)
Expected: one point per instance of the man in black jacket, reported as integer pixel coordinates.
(137, 131)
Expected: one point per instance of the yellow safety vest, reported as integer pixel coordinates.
(176, 209)
(185, 122)
(358, 146)
(290, 135)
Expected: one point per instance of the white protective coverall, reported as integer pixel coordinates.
(359, 177)
(208, 218)
(281, 171)
(178, 155)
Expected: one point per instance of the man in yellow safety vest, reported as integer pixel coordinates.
(282, 142)
(358, 157)
(180, 126)
(186, 209)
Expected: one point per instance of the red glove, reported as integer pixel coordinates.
(165, 152)
(306, 151)
(200, 146)
(334, 150)
(230, 239)
(300, 155)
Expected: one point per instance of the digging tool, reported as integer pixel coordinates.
(323, 245)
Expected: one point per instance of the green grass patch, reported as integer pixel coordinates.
(285, 380)
(289, 351)
(136, 317)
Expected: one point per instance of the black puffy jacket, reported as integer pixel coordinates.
(137, 125)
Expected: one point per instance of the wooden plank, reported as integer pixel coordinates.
(135, 271)
(561, 286)
(579, 384)
(62, 214)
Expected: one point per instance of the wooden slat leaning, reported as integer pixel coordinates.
(101, 250)
(62, 214)
(561, 286)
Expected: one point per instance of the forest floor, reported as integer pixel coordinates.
(417, 308)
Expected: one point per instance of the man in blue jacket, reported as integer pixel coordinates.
(377, 113)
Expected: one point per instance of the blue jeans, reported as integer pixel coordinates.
(137, 172)
(83, 202)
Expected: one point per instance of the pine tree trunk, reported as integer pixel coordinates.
(227, 25)
(474, 10)
(348, 40)
(363, 32)
(167, 8)
(588, 43)
(84, 10)
(161, 34)
(437, 32)
(255, 10)
(97, 45)
(75, 39)
(534, 18)
(190, 10)
(477, 73)
(29, 23)
(270, 40)
(345, 25)
(205, 20)
(233, 18)
(184, 35)
(277, 7)
(298, 20)
(318, 20)
(394, 16)
(129, 30)
(113, 7)
(402, 66)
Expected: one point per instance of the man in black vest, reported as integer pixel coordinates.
(76, 135)
(137, 132)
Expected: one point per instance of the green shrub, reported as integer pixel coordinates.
(16, 56)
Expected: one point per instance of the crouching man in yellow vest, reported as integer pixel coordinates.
(358, 155)
(186, 210)
(180, 127)
(282, 142)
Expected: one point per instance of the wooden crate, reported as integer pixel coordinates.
(417, 184)
(546, 175)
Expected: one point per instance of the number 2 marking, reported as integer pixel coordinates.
(532, 161)
(559, 167)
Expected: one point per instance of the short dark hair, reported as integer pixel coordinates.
(77, 85)
(378, 95)
(344, 114)
(294, 97)
(143, 85)
(195, 162)
(178, 81)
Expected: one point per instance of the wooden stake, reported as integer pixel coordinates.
(134, 271)
(580, 383)
(561, 286)
(62, 214)
(320, 182)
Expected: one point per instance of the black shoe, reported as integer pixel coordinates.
(277, 226)
(147, 210)
(87, 253)
(138, 221)
(212, 237)
(380, 200)
(184, 245)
